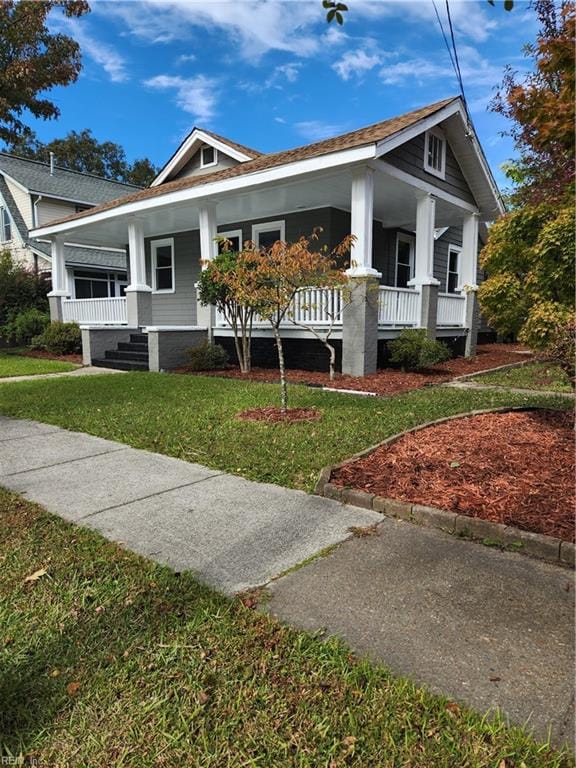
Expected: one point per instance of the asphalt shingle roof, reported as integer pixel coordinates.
(94, 257)
(362, 137)
(71, 185)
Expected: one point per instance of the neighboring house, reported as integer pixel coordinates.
(415, 190)
(32, 194)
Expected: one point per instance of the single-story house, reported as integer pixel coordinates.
(416, 191)
(32, 194)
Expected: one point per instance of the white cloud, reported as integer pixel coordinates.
(356, 63)
(185, 58)
(101, 53)
(195, 95)
(256, 26)
(316, 130)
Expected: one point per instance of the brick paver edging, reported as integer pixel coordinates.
(538, 545)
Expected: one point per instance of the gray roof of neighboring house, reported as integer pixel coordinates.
(89, 257)
(70, 185)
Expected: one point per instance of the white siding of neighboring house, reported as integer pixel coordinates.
(23, 201)
(15, 245)
(48, 209)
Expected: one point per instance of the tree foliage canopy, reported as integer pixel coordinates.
(33, 60)
(530, 252)
(81, 151)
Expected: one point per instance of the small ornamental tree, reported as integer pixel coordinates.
(215, 287)
(270, 278)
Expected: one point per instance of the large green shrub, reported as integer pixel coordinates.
(207, 357)
(413, 350)
(20, 288)
(60, 339)
(24, 326)
(561, 347)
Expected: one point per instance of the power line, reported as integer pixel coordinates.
(451, 48)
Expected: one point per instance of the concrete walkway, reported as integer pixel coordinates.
(485, 627)
(482, 626)
(86, 370)
(233, 533)
(462, 384)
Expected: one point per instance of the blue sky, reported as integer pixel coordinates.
(272, 74)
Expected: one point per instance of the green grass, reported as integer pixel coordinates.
(543, 376)
(110, 659)
(195, 418)
(12, 364)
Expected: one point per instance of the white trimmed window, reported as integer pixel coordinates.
(267, 233)
(6, 225)
(405, 245)
(208, 156)
(234, 238)
(435, 153)
(163, 265)
(453, 269)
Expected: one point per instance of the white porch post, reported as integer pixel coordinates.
(59, 288)
(469, 279)
(205, 315)
(360, 317)
(424, 278)
(138, 293)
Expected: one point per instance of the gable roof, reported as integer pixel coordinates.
(362, 137)
(13, 209)
(197, 138)
(78, 187)
(76, 255)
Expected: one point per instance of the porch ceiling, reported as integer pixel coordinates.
(394, 206)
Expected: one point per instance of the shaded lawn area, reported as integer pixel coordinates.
(109, 659)
(544, 376)
(12, 364)
(194, 418)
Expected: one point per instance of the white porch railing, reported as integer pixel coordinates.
(398, 306)
(95, 311)
(451, 309)
(311, 306)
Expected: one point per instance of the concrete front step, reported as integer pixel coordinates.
(132, 346)
(121, 365)
(139, 338)
(120, 354)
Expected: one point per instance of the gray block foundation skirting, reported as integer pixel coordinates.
(538, 545)
(168, 348)
(96, 341)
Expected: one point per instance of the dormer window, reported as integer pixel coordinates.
(435, 153)
(208, 156)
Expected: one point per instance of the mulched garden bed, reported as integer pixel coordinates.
(514, 468)
(48, 356)
(273, 414)
(388, 381)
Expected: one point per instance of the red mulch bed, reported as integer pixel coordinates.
(514, 468)
(388, 381)
(48, 356)
(272, 414)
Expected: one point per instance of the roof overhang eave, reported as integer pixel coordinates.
(211, 189)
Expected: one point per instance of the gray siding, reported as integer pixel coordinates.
(178, 308)
(409, 157)
(297, 225)
(453, 236)
(192, 167)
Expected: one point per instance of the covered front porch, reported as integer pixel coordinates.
(398, 221)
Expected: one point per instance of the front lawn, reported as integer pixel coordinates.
(109, 659)
(12, 364)
(543, 376)
(194, 418)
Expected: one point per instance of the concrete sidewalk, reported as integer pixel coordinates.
(484, 627)
(233, 533)
(82, 370)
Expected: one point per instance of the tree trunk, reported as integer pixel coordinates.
(332, 353)
(283, 387)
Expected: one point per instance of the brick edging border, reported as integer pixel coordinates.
(538, 545)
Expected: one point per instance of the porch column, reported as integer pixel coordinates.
(138, 293)
(205, 315)
(59, 282)
(360, 316)
(424, 278)
(469, 280)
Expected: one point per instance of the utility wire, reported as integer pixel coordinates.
(459, 74)
(448, 48)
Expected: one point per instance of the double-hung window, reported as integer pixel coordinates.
(208, 156)
(404, 259)
(230, 241)
(6, 225)
(163, 265)
(266, 234)
(453, 273)
(435, 153)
